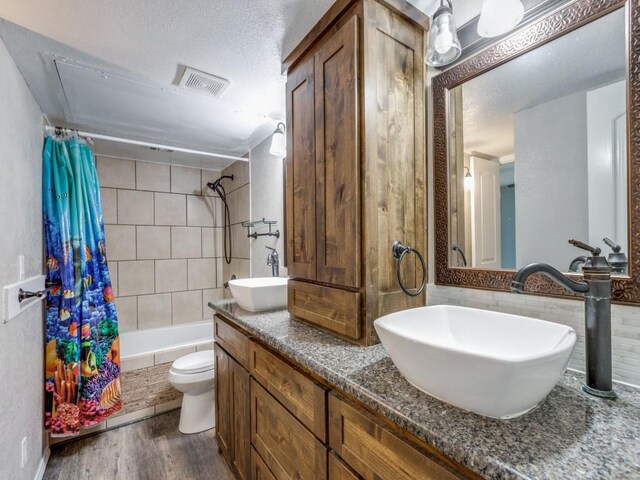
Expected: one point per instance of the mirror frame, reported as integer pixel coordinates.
(573, 15)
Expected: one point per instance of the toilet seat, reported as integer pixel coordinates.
(194, 363)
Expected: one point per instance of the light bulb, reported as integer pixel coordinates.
(278, 143)
(444, 39)
(468, 181)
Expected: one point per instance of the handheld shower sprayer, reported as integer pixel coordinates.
(217, 187)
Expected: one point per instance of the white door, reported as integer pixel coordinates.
(485, 213)
(607, 164)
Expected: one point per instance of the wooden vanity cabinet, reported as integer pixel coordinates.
(232, 405)
(276, 422)
(355, 167)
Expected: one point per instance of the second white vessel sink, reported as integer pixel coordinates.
(260, 294)
(490, 363)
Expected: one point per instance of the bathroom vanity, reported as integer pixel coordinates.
(296, 402)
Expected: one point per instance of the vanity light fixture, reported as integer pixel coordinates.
(468, 179)
(278, 142)
(499, 16)
(444, 46)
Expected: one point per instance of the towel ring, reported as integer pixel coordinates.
(399, 251)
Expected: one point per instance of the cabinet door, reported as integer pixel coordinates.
(338, 158)
(240, 411)
(395, 200)
(301, 175)
(223, 402)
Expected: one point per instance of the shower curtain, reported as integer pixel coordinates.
(82, 378)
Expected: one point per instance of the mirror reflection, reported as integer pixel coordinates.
(538, 154)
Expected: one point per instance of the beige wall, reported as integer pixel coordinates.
(238, 198)
(163, 241)
(267, 200)
(21, 339)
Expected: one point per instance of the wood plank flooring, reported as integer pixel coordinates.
(152, 449)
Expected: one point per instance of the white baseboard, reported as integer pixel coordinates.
(43, 465)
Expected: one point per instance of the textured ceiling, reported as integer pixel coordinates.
(148, 42)
(589, 57)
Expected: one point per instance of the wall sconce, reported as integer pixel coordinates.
(444, 46)
(279, 142)
(468, 179)
(499, 16)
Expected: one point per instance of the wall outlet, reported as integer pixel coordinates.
(23, 456)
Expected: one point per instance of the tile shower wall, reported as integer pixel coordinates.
(238, 198)
(163, 241)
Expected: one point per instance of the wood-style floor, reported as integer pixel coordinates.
(152, 449)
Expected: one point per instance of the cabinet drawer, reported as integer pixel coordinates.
(286, 446)
(330, 308)
(259, 469)
(299, 394)
(373, 451)
(338, 470)
(233, 341)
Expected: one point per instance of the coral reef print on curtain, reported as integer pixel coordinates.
(82, 378)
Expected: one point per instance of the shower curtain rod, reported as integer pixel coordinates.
(53, 129)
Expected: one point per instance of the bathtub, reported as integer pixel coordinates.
(156, 341)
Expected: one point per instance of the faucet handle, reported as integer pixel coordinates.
(610, 243)
(593, 250)
(272, 249)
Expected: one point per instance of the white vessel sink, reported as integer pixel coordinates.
(260, 294)
(490, 363)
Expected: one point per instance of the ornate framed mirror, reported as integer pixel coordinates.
(537, 140)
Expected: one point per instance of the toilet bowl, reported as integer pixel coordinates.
(194, 375)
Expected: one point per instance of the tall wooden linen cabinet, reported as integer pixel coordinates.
(355, 176)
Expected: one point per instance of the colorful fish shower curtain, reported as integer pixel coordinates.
(82, 378)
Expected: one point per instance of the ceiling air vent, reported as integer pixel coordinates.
(204, 82)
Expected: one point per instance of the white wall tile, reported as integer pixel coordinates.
(218, 242)
(135, 277)
(186, 180)
(220, 278)
(135, 208)
(201, 273)
(171, 275)
(170, 209)
(113, 272)
(120, 242)
(154, 311)
(239, 204)
(109, 199)
(153, 242)
(187, 306)
(116, 172)
(208, 242)
(127, 310)
(186, 242)
(153, 176)
(200, 211)
(210, 295)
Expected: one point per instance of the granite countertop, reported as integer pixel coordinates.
(571, 435)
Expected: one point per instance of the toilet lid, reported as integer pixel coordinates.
(195, 362)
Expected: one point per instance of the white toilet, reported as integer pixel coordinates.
(194, 376)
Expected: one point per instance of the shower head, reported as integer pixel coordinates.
(216, 184)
